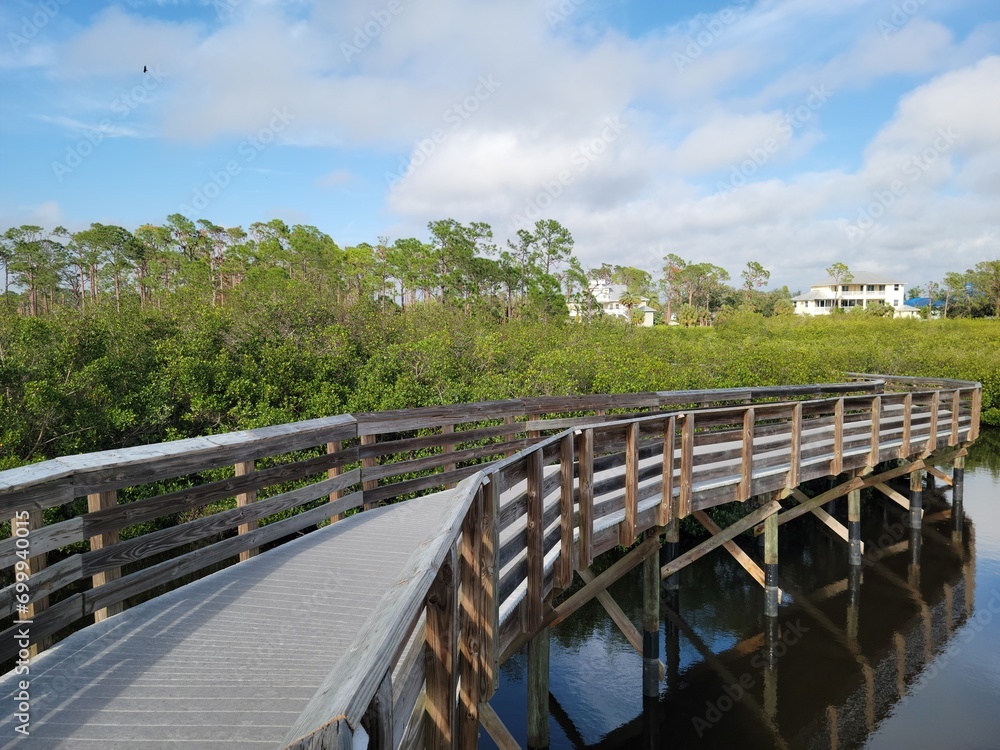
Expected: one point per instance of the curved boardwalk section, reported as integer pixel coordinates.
(232, 659)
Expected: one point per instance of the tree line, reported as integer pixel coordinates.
(533, 274)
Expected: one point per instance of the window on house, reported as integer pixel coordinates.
(895, 287)
(881, 287)
(843, 287)
(871, 287)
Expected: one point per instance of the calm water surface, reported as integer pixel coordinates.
(915, 664)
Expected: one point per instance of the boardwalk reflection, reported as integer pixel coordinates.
(841, 655)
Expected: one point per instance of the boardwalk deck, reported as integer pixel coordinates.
(232, 659)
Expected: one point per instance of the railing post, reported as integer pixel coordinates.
(489, 672)
(536, 553)
(837, 464)
(746, 463)
(666, 511)
(448, 447)
(368, 463)
(977, 402)
(795, 449)
(626, 534)
(586, 502)
(956, 408)
(95, 502)
(472, 612)
(36, 565)
(932, 437)
(242, 500)
(441, 657)
(687, 465)
(333, 472)
(563, 574)
(508, 420)
(876, 430)
(904, 448)
(378, 718)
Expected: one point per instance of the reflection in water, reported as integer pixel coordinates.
(896, 653)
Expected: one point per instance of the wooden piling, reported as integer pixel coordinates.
(854, 527)
(958, 496)
(538, 690)
(853, 601)
(771, 566)
(651, 623)
(916, 498)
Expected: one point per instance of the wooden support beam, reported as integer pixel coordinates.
(627, 530)
(441, 657)
(605, 579)
(746, 459)
(586, 459)
(618, 616)
(755, 571)
(95, 502)
(896, 497)
(936, 472)
(772, 597)
(832, 524)
(242, 500)
(855, 550)
(496, 729)
(748, 522)
(563, 573)
(536, 536)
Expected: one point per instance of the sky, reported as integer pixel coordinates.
(795, 133)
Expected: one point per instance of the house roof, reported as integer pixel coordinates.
(924, 302)
(862, 278)
(810, 296)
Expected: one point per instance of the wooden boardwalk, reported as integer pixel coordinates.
(232, 659)
(389, 625)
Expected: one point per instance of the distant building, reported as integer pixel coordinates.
(608, 296)
(862, 291)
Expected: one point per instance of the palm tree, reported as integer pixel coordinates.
(629, 300)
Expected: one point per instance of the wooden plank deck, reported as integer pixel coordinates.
(232, 659)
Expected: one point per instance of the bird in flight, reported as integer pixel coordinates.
(145, 69)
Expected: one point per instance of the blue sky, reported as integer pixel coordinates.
(792, 132)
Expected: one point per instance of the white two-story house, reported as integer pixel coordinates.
(608, 296)
(861, 291)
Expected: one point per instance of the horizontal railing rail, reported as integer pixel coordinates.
(545, 488)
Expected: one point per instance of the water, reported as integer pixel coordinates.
(915, 664)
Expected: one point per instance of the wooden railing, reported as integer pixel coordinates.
(546, 486)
